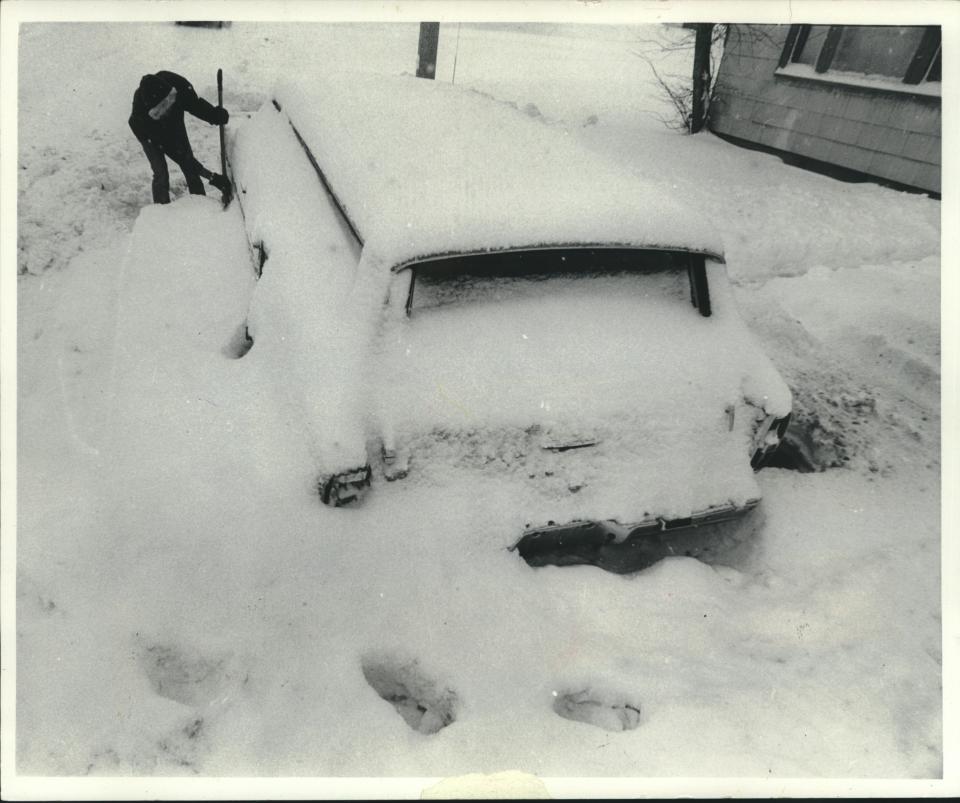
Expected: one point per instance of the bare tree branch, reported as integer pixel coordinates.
(678, 90)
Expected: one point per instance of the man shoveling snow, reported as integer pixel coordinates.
(157, 121)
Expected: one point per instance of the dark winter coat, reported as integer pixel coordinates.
(168, 134)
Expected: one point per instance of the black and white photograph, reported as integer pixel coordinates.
(455, 399)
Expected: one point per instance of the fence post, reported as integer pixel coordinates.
(701, 76)
(427, 50)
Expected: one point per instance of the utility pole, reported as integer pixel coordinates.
(701, 75)
(427, 50)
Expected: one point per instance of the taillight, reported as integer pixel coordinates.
(767, 438)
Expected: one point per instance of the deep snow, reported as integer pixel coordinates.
(186, 606)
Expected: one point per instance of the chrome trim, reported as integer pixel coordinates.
(624, 532)
(574, 245)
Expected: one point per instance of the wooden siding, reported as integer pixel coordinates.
(887, 134)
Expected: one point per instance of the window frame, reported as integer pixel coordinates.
(914, 80)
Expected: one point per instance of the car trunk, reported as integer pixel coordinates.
(598, 390)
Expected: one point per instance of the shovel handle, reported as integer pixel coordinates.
(223, 149)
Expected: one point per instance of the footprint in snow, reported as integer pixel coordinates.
(425, 705)
(189, 677)
(611, 711)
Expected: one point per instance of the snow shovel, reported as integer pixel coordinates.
(227, 189)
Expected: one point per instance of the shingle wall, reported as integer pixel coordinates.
(888, 134)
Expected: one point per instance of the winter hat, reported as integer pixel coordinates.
(153, 89)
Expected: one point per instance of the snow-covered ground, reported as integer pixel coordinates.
(186, 606)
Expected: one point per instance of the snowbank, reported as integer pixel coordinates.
(893, 337)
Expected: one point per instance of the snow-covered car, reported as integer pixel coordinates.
(454, 284)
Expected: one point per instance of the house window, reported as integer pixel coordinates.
(876, 49)
(807, 49)
(905, 54)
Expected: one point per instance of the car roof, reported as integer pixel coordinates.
(421, 169)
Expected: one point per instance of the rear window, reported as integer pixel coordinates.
(674, 276)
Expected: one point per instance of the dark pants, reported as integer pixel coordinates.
(161, 176)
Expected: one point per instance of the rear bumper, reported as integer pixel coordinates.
(636, 545)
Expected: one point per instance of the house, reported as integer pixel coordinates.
(859, 100)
